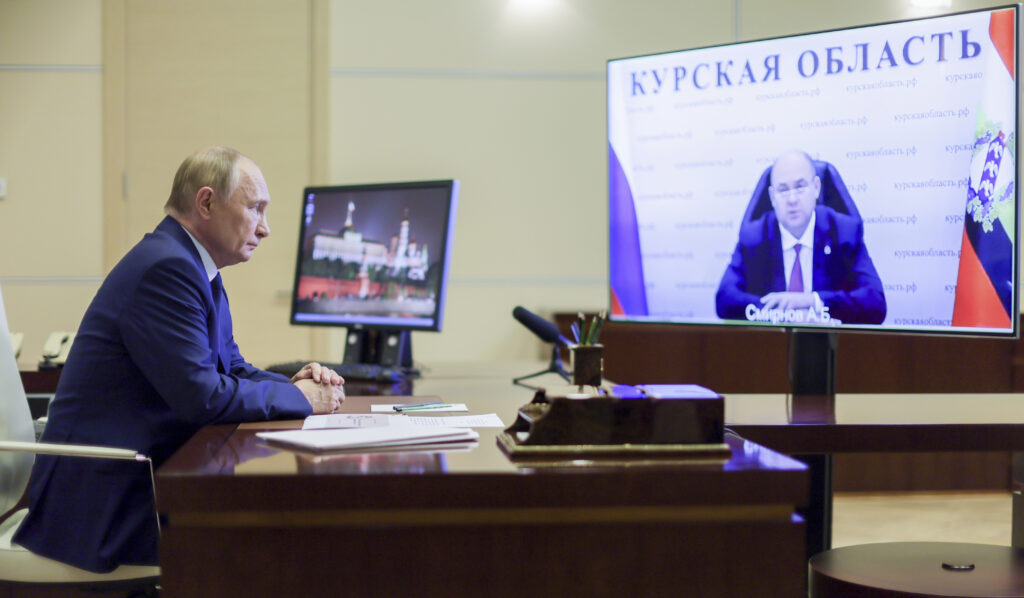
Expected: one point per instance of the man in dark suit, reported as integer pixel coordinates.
(801, 256)
(154, 360)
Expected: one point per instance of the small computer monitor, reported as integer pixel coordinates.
(373, 258)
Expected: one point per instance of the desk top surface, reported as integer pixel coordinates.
(219, 460)
(793, 425)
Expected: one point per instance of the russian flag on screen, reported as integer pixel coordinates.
(625, 267)
(984, 290)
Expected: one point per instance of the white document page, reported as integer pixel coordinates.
(345, 420)
(489, 420)
(365, 420)
(678, 391)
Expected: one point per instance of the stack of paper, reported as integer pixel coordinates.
(363, 439)
(678, 391)
(370, 420)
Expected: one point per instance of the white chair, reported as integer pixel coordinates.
(20, 567)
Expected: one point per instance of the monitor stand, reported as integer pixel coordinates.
(388, 348)
(812, 369)
(812, 362)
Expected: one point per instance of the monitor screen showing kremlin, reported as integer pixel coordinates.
(375, 256)
(862, 178)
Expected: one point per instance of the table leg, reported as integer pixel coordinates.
(818, 513)
(1017, 486)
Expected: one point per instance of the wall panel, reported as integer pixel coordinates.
(512, 103)
(226, 73)
(50, 139)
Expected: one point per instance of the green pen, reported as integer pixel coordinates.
(414, 405)
(426, 407)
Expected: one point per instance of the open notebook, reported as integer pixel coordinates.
(390, 437)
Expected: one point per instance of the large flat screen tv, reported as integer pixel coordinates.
(861, 178)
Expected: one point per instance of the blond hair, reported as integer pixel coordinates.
(215, 167)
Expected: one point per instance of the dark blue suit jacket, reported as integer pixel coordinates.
(153, 360)
(843, 274)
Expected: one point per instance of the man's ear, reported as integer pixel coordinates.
(817, 186)
(205, 197)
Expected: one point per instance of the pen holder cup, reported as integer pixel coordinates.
(587, 364)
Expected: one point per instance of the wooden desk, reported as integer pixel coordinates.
(816, 428)
(646, 353)
(247, 519)
(851, 423)
(40, 381)
(740, 359)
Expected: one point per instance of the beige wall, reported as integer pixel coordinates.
(100, 100)
(50, 154)
(511, 103)
(235, 73)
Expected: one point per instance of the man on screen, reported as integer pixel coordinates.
(802, 262)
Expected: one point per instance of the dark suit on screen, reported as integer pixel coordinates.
(153, 361)
(843, 274)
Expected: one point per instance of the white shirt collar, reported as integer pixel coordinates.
(805, 240)
(211, 268)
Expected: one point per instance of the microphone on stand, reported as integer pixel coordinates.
(544, 329)
(547, 332)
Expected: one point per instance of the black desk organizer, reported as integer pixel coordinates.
(609, 427)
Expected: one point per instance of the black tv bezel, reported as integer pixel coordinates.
(1013, 333)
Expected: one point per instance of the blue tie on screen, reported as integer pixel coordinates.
(796, 278)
